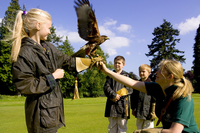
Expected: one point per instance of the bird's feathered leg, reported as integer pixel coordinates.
(93, 52)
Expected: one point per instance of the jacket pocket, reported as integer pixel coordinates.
(49, 112)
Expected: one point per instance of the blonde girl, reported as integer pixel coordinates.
(37, 67)
(169, 83)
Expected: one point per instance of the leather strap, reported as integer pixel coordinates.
(164, 111)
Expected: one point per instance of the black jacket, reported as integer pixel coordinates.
(116, 109)
(32, 76)
(141, 103)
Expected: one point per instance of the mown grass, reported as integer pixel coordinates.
(85, 115)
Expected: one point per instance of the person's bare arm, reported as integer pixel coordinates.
(138, 85)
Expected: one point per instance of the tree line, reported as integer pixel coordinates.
(91, 82)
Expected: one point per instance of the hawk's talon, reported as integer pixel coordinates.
(95, 61)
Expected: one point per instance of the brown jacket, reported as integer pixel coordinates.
(32, 76)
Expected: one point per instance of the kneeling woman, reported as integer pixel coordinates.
(170, 84)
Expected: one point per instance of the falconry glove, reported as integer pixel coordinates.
(84, 63)
(123, 92)
(152, 116)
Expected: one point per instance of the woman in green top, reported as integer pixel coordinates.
(170, 82)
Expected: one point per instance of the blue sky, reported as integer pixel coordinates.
(128, 23)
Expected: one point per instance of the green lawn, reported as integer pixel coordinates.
(85, 115)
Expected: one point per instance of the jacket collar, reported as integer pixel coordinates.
(147, 80)
(123, 72)
(28, 41)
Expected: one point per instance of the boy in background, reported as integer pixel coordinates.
(143, 105)
(117, 106)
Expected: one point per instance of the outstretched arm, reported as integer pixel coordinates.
(138, 85)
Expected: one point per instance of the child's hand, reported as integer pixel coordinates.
(116, 98)
(58, 74)
(102, 67)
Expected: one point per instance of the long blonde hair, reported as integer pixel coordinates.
(22, 26)
(184, 86)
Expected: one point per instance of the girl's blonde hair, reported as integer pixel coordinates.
(22, 26)
(184, 86)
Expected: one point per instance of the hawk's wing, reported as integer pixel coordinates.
(87, 23)
(81, 52)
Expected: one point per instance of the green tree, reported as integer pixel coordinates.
(196, 62)
(68, 81)
(163, 46)
(110, 65)
(54, 38)
(66, 47)
(5, 64)
(92, 81)
(189, 75)
(24, 8)
(11, 13)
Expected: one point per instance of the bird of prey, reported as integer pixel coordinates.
(87, 29)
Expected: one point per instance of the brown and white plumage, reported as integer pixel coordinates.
(88, 28)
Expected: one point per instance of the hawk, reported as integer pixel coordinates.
(87, 29)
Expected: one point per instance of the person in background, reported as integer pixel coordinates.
(170, 85)
(142, 104)
(117, 106)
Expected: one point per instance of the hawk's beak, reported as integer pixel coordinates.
(107, 38)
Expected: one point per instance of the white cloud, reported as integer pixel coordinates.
(110, 22)
(75, 38)
(105, 31)
(0, 20)
(128, 53)
(124, 28)
(72, 36)
(61, 32)
(113, 43)
(190, 25)
(110, 51)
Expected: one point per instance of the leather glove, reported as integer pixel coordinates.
(152, 116)
(84, 63)
(121, 92)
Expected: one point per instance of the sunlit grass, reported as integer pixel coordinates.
(85, 115)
